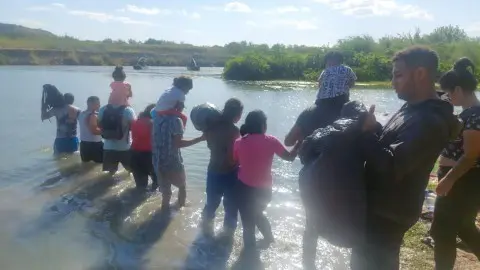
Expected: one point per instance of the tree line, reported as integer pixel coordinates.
(369, 58)
(243, 60)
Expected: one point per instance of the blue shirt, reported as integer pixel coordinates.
(124, 143)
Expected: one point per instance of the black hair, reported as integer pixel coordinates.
(92, 99)
(233, 108)
(334, 56)
(52, 97)
(69, 98)
(419, 56)
(462, 74)
(118, 74)
(183, 82)
(147, 111)
(255, 123)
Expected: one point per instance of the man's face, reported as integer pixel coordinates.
(402, 80)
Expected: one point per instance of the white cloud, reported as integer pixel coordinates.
(287, 9)
(146, 11)
(195, 15)
(191, 15)
(104, 17)
(58, 5)
(237, 7)
(366, 8)
(303, 25)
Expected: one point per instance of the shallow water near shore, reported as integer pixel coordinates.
(61, 214)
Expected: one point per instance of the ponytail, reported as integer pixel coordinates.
(255, 123)
(461, 75)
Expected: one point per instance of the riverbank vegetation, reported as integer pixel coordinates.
(369, 58)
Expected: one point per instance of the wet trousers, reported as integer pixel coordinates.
(221, 185)
(252, 201)
(455, 215)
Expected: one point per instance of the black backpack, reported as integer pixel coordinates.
(112, 123)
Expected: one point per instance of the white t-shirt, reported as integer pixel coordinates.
(169, 99)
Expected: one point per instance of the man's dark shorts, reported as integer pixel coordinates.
(91, 151)
(111, 159)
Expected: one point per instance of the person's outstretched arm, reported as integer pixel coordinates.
(282, 152)
(177, 133)
(180, 142)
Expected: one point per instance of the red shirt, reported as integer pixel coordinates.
(142, 134)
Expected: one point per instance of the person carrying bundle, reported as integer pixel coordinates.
(54, 104)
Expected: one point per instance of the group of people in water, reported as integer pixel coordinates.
(393, 162)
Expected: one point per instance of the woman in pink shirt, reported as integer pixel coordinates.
(254, 153)
(121, 90)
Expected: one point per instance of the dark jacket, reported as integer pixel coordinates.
(332, 183)
(402, 157)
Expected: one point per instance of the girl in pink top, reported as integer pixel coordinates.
(254, 153)
(121, 90)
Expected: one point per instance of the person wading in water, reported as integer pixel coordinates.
(54, 104)
(222, 169)
(91, 144)
(334, 86)
(168, 128)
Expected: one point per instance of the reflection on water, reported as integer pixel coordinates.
(61, 214)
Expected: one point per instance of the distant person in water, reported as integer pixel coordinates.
(141, 150)
(168, 128)
(254, 153)
(458, 200)
(54, 104)
(121, 90)
(222, 169)
(91, 144)
(334, 86)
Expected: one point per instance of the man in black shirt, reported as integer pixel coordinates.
(403, 155)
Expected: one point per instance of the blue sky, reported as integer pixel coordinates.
(217, 22)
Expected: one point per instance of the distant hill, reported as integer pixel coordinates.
(17, 31)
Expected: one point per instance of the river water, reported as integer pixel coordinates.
(60, 214)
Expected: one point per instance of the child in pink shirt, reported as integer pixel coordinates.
(254, 153)
(121, 90)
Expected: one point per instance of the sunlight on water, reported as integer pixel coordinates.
(61, 214)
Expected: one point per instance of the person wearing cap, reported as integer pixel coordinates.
(168, 128)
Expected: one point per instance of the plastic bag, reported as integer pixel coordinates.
(205, 115)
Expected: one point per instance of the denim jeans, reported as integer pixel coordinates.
(221, 185)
